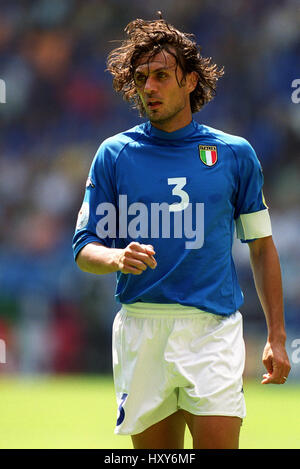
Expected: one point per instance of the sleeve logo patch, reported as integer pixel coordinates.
(89, 182)
(83, 216)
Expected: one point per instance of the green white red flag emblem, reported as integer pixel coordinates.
(208, 154)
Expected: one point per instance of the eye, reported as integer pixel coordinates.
(162, 75)
(139, 79)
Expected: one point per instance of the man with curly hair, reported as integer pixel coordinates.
(161, 203)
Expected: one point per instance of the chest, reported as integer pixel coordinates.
(198, 173)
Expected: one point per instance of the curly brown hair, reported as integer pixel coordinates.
(152, 37)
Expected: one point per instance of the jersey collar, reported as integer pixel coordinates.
(176, 135)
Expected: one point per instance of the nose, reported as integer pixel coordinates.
(150, 85)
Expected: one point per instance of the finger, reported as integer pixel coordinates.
(286, 369)
(135, 246)
(142, 256)
(268, 364)
(132, 269)
(286, 372)
(151, 262)
(270, 379)
(148, 260)
(273, 379)
(148, 248)
(278, 376)
(136, 263)
(265, 379)
(131, 265)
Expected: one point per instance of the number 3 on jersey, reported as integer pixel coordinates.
(179, 183)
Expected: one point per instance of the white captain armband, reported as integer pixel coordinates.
(253, 225)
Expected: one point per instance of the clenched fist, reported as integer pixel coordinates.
(136, 257)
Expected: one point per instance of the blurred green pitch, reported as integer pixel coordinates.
(80, 412)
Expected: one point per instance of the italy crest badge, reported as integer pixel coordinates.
(208, 154)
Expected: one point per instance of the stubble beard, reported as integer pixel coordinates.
(166, 117)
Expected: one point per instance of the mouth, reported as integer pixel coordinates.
(153, 104)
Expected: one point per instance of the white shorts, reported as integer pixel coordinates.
(170, 357)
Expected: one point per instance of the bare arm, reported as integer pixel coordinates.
(267, 276)
(98, 259)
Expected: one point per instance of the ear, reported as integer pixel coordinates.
(192, 80)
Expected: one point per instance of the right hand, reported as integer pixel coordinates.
(136, 257)
(276, 362)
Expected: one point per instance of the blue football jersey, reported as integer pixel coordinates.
(183, 192)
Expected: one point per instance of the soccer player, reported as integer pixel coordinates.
(161, 206)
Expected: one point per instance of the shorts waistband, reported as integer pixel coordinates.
(161, 309)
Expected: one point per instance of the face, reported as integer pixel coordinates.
(166, 99)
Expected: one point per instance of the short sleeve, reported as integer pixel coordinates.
(99, 199)
(251, 212)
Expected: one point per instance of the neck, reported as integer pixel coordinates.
(173, 124)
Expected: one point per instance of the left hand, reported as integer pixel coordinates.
(276, 362)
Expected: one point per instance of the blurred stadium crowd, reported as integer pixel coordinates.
(60, 106)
